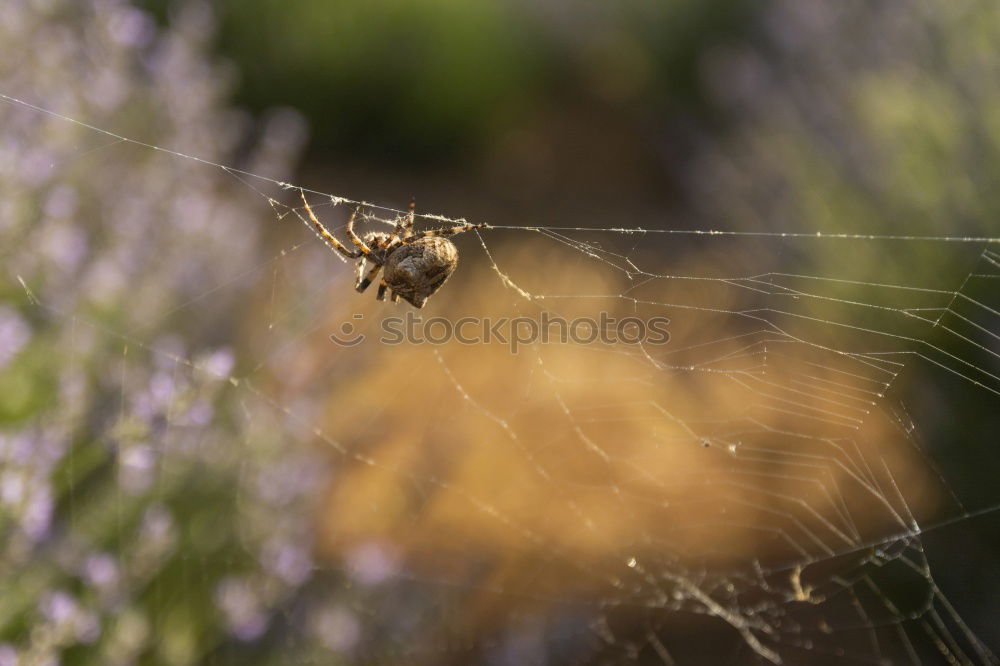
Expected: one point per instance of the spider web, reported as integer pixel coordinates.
(805, 473)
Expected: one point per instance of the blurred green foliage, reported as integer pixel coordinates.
(384, 76)
(420, 82)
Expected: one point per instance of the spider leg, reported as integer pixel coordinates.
(326, 235)
(363, 284)
(393, 242)
(359, 271)
(354, 237)
(395, 297)
(381, 291)
(444, 232)
(405, 227)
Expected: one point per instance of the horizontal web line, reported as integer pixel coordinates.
(772, 234)
(691, 232)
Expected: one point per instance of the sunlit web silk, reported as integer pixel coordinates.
(763, 487)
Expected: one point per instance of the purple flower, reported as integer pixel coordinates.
(372, 563)
(241, 608)
(337, 628)
(14, 334)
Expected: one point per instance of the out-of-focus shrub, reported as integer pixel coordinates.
(138, 514)
(425, 80)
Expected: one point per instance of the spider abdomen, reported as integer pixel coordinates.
(416, 270)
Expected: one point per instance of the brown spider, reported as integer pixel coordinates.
(416, 263)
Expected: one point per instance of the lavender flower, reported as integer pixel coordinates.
(122, 449)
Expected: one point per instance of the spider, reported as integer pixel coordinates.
(416, 263)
